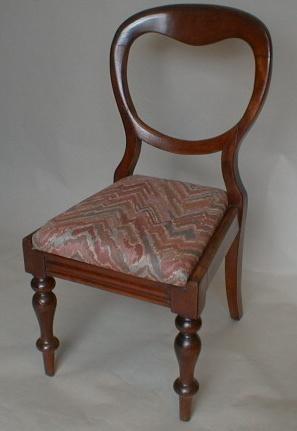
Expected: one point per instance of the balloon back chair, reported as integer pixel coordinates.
(154, 239)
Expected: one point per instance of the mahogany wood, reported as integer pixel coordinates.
(196, 25)
(233, 266)
(44, 304)
(187, 347)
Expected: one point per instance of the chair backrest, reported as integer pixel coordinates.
(195, 25)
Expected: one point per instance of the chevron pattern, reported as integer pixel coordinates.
(149, 227)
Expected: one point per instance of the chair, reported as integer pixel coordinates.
(154, 239)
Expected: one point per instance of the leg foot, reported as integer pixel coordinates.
(187, 348)
(233, 265)
(185, 408)
(44, 304)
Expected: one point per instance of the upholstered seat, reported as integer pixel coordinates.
(149, 227)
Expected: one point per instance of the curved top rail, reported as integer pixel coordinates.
(195, 25)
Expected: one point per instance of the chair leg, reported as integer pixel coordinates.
(233, 266)
(187, 348)
(44, 304)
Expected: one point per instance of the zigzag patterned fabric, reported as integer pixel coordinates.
(148, 227)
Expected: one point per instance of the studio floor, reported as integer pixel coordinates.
(116, 363)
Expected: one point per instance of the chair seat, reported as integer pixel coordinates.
(148, 227)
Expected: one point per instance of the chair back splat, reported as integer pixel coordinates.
(194, 25)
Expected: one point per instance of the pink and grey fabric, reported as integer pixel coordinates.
(149, 227)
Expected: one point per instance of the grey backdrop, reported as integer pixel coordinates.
(61, 139)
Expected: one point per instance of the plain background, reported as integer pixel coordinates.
(61, 139)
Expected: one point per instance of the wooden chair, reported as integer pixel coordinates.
(157, 240)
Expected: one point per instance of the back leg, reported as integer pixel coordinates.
(233, 267)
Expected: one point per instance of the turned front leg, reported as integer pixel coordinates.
(187, 348)
(44, 304)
